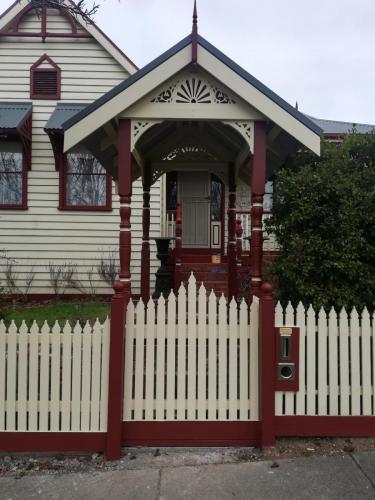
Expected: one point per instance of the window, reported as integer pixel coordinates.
(85, 183)
(268, 197)
(13, 175)
(45, 79)
(216, 199)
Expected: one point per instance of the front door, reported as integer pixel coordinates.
(194, 195)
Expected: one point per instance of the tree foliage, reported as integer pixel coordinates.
(324, 220)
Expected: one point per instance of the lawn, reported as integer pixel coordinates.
(52, 311)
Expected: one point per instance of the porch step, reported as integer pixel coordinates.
(213, 276)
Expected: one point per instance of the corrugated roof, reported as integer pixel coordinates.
(63, 112)
(13, 114)
(339, 128)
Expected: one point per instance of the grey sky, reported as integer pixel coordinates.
(319, 53)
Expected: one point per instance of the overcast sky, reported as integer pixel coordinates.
(319, 53)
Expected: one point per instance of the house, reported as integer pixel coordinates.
(184, 147)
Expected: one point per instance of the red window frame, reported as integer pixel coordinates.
(55, 69)
(63, 174)
(23, 205)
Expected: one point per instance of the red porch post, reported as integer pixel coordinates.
(267, 360)
(258, 181)
(121, 297)
(232, 253)
(178, 247)
(145, 257)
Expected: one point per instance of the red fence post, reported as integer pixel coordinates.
(116, 373)
(267, 367)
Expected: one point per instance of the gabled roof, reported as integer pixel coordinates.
(10, 14)
(219, 55)
(14, 114)
(137, 86)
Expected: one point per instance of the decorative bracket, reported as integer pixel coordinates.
(246, 129)
(138, 128)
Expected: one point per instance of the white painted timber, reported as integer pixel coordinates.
(337, 357)
(42, 233)
(54, 379)
(201, 364)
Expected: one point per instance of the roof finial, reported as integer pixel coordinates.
(296, 105)
(194, 35)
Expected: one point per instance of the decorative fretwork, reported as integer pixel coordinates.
(139, 127)
(189, 152)
(193, 89)
(245, 129)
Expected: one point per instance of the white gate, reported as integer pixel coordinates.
(191, 358)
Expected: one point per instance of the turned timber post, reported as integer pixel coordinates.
(178, 247)
(145, 254)
(239, 233)
(232, 253)
(121, 297)
(258, 182)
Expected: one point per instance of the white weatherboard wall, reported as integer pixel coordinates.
(192, 357)
(43, 234)
(337, 363)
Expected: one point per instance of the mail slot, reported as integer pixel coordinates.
(287, 358)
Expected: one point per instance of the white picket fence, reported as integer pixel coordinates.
(191, 358)
(54, 379)
(337, 363)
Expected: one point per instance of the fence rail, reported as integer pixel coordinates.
(336, 363)
(191, 358)
(54, 379)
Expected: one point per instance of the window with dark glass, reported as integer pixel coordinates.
(12, 176)
(171, 194)
(268, 196)
(216, 198)
(86, 183)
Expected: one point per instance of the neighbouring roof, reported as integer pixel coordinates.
(332, 127)
(14, 114)
(63, 112)
(18, 6)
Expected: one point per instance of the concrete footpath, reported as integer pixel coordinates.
(351, 476)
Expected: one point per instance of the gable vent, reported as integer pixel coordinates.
(45, 83)
(45, 79)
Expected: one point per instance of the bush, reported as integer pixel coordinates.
(324, 220)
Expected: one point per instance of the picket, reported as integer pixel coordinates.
(171, 358)
(196, 347)
(333, 363)
(366, 362)
(337, 363)
(253, 363)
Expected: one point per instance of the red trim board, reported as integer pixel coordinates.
(17, 442)
(238, 433)
(325, 426)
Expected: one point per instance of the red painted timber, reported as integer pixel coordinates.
(325, 426)
(18, 442)
(190, 433)
(267, 362)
